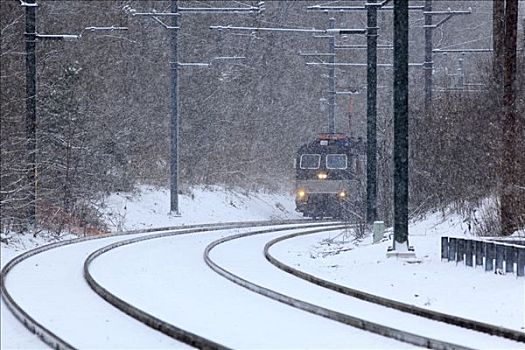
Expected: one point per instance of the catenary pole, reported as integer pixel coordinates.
(31, 38)
(371, 113)
(400, 123)
(371, 7)
(428, 65)
(174, 14)
(331, 78)
(174, 130)
(462, 71)
(30, 41)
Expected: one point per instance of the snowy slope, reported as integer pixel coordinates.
(151, 208)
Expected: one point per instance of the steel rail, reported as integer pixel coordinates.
(150, 320)
(397, 305)
(48, 336)
(353, 321)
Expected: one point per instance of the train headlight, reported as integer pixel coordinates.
(322, 176)
(301, 194)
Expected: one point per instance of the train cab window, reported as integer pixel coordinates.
(310, 161)
(336, 161)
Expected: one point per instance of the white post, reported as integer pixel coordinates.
(379, 230)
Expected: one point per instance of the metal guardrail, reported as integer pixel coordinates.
(496, 256)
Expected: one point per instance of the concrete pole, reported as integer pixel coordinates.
(174, 166)
(400, 124)
(371, 114)
(30, 41)
(428, 65)
(331, 75)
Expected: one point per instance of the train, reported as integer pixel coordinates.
(328, 171)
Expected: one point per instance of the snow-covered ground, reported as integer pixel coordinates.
(150, 208)
(425, 282)
(248, 320)
(467, 292)
(147, 209)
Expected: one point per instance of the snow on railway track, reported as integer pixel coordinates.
(162, 280)
(179, 288)
(376, 299)
(44, 288)
(375, 315)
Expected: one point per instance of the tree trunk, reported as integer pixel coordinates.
(510, 199)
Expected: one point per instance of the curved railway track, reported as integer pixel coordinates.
(199, 341)
(348, 318)
(47, 335)
(412, 309)
(148, 319)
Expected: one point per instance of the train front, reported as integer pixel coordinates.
(326, 176)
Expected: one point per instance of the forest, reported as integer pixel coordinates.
(104, 101)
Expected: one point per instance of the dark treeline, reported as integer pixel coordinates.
(104, 104)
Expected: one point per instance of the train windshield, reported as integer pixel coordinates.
(336, 161)
(310, 161)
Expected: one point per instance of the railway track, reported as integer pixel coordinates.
(448, 323)
(47, 335)
(412, 309)
(196, 339)
(148, 319)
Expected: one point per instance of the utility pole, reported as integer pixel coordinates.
(371, 7)
(31, 38)
(174, 121)
(331, 79)
(174, 13)
(400, 242)
(428, 65)
(371, 113)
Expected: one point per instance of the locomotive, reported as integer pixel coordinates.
(328, 171)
